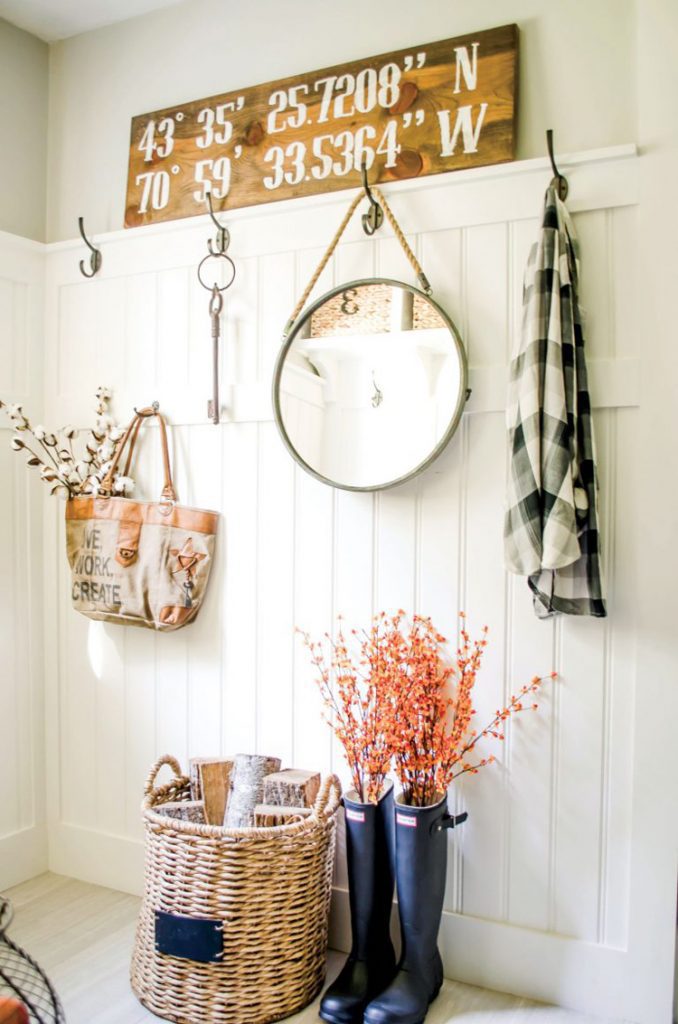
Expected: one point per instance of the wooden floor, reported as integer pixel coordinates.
(82, 935)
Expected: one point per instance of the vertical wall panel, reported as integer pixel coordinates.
(206, 641)
(314, 612)
(275, 590)
(10, 763)
(484, 600)
(486, 274)
(239, 542)
(277, 300)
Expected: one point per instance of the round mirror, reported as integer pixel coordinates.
(370, 384)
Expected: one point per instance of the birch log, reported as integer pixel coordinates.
(291, 788)
(249, 772)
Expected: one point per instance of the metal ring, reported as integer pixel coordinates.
(216, 256)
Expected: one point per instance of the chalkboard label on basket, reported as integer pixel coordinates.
(190, 938)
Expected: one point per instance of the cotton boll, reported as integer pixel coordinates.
(17, 444)
(39, 432)
(73, 477)
(116, 433)
(123, 485)
(82, 468)
(106, 450)
(50, 440)
(17, 417)
(70, 432)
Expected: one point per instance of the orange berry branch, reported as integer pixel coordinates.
(398, 700)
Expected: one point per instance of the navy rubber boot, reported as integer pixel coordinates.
(371, 963)
(421, 869)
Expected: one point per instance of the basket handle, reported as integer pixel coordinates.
(325, 805)
(153, 774)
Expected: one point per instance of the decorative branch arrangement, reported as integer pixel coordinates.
(390, 703)
(68, 473)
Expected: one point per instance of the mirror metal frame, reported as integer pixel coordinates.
(287, 344)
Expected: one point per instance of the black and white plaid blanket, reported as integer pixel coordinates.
(551, 530)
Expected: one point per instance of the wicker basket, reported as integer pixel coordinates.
(265, 891)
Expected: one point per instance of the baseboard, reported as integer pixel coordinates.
(97, 857)
(23, 855)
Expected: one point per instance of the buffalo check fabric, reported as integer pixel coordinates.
(551, 529)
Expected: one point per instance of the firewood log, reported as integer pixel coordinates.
(185, 810)
(268, 815)
(247, 790)
(291, 788)
(215, 787)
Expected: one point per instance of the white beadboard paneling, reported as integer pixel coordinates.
(530, 652)
(594, 237)
(11, 759)
(277, 300)
(542, 864)
(487, 284)
(484, 600)
(623, 541)
(275, 592)
(314, 612)
(206, 642)
(23, 847)
(623, 281)
(239, 549)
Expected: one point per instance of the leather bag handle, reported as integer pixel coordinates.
(130, 437)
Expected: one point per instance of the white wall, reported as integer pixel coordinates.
(577, 74)
(23, 840)
(23, 115)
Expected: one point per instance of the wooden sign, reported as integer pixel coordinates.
(424, 110)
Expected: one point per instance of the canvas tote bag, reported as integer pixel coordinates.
(139, 563)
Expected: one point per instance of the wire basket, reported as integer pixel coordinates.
(23, 979)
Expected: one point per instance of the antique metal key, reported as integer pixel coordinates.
(215, 307)
(216, 251)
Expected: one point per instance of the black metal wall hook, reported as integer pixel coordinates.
(559, 180)
(374, 218)
(95, 259)
(223, 239)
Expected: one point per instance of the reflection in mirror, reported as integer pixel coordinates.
(370, 385)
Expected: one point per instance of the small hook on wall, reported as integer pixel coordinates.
(95, 259)
(223, 239)
(559, 180)
(374, 218)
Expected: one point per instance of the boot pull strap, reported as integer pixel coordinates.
(449, 821)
